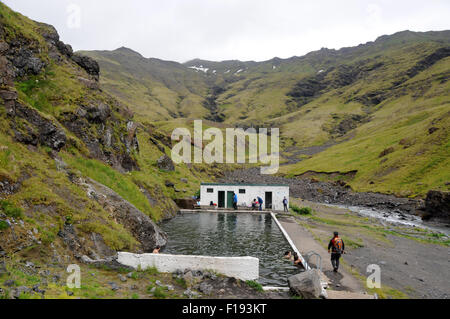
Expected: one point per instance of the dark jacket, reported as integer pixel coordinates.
(331, 246)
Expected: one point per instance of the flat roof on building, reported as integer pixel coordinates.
(240, 184)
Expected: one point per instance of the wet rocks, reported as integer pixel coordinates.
(165, 163)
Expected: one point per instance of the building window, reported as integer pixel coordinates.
(242, 191)
(210, 190)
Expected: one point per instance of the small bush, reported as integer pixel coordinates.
(10, 210)
(3, 225)
(181, 282)
(301, 211)
(255, 285)
(160, 293)
(152, 271)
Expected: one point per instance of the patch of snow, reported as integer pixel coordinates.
(199, 68)
(228, 72)
(274, 67)
(239, 71)
(321, 71)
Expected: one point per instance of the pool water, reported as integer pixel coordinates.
(233, 235)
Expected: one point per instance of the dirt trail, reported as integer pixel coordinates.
(304, 241)
(418, 269)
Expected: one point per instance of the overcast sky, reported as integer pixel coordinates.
(258, 30)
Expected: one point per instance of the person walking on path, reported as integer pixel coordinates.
(336, 247)
(285, 203)
(235, 201)
(260, 201)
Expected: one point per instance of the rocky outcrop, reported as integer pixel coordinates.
(139, 224)
(105, 136)
(38, 130)
(429, 61)
(90, 65)
(56, 47)
(437, 206)
(307, 284)
(7, 186)
(29, 126)
(165, 163)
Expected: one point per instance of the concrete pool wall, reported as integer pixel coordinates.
(243, 268)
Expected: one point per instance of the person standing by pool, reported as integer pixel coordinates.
(285, 203)
(260, 201)
(235, 201)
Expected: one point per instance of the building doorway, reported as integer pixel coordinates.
(221, 199)
(230, 196)
(268, 200)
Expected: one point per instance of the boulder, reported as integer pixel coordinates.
(165, 163)
(97, 113)
(169, 184)
(205, 288)
(185, 203)
(437, 206)
(307, 284)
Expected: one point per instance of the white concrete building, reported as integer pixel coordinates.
(222, 195)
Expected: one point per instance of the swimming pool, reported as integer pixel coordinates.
(232, 235)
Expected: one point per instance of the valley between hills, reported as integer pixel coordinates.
(85, 168)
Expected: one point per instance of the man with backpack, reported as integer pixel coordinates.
(337, 248)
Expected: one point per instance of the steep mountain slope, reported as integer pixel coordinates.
(156, 89)
(354, 103)
(78, 174)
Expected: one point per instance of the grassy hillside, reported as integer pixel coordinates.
(57, 129)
